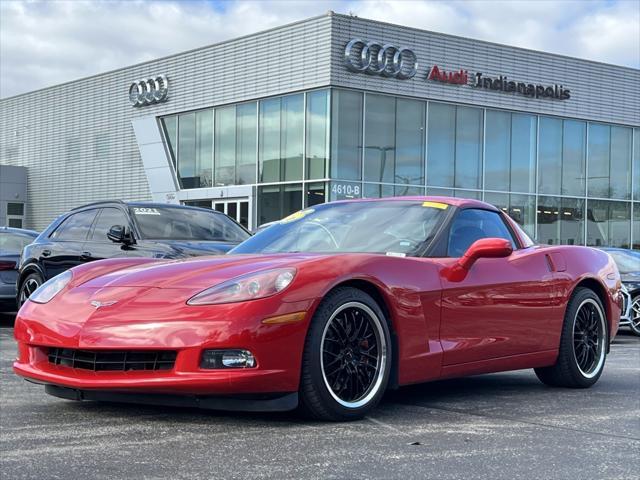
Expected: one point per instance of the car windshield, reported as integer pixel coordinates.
(391, 227)
(175, 223)
(627, 262)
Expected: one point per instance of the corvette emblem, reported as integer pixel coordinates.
(99, 304)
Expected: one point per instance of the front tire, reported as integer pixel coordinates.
(28, 286)
(583, 344)
(347, 357)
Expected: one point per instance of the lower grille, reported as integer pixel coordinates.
(113, 360)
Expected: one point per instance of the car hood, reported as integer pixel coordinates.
(192, 273)
(194, 248)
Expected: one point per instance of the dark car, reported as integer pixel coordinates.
(118, 229)
(12, 241)
(628, 262)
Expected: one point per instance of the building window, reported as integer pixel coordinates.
(608, 223)
(609, 161)
(346, 135)
(277, 201)
(636, 226)
(410, 132)
(560, 221)
(636, 165)
(281, 138)
(194, 155)
(315, 194)
(454, 148)
(521, 208)
(510, 151)
(225, 146)
(317, 134)
(380, 138)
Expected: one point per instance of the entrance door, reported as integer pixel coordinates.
(237, 208)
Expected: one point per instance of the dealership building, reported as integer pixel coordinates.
(338, 107)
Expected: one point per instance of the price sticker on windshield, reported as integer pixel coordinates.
(297, 216)
(438, 205)
(145, 211)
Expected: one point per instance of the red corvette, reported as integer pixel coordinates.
(325, 310)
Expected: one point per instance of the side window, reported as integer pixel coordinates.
(75, 227)
(107, 218)
(473, 224)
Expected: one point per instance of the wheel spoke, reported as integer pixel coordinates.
(351, 354)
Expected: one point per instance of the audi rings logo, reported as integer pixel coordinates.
(149, 91)
(380, 59)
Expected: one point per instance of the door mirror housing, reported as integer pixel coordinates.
(483, 248)
(120, 234)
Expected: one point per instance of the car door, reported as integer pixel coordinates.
(98, 246)
(500, 308)
(65, 246)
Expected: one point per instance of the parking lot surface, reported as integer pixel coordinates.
(505, 425)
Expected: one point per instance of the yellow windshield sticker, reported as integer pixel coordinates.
(441, 206)
(297, 216)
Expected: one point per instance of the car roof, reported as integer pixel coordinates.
(140, 204)
(453, 201)
(19, 231)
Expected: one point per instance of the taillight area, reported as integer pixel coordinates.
(7, 265)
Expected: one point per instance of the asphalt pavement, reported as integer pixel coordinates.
(505, 425)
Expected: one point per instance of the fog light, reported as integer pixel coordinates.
(212, 359)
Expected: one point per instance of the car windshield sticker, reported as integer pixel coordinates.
(145, 211)
(297, 216)
(396, 254)
(441, 206)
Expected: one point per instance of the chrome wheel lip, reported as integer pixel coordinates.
(382, 356)
(634, 320)
(28, 287)
(601, 351)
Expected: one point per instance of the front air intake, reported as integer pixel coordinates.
(113, 360)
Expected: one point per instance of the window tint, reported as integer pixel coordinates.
(174, 223)
(75, 227)
(13, 243)
(471, 225)
(108, 218)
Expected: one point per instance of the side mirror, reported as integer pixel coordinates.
(483, 248)
(119, 234)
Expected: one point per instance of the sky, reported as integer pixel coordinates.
(45, 43)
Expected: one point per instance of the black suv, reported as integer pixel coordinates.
(118, 229)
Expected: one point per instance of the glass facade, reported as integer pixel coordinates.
(565, 181)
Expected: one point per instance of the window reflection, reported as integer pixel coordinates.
(608, 223)
(317, 148)
(454, 146)
(346, 135)
(609, 161)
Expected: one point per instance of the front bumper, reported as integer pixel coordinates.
(277, 349)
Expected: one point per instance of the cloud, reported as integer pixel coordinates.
(45, 43)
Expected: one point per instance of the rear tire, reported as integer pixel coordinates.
(28, 286)
(634, 322)
(583, 344)
(347, 357)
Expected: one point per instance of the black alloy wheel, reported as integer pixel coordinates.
(583, 344)
(347, 357)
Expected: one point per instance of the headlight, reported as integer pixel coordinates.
(246, 287)
(49, 289)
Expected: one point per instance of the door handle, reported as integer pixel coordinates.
(86, 256)
(46, 253)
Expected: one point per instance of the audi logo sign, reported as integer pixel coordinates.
(380, 59)
(149, 91)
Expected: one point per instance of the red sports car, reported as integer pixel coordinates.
(325, 310)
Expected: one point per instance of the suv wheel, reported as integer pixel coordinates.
(28, 286)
